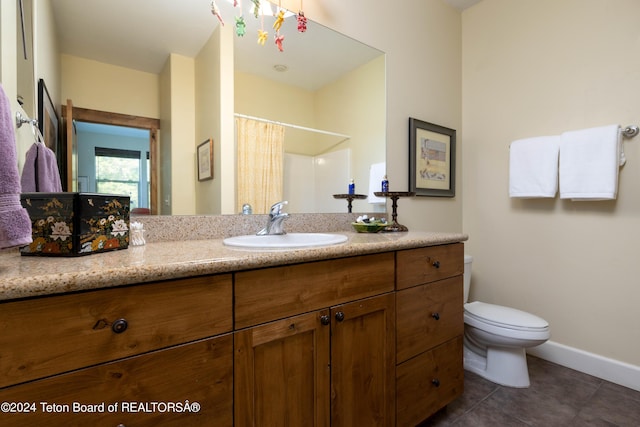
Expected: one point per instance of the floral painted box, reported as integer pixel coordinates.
(73, 224)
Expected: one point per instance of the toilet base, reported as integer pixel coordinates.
(502, 365)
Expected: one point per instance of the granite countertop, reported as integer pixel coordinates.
(30, 276)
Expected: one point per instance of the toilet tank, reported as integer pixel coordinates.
(466, 277)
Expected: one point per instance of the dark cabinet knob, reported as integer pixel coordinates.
(436, 316)
(119, 326)
(435, 382)
(325, 319)
(436, 264)
(339, 316)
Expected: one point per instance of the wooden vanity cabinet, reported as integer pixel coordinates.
(430, 327)
(372, 340)
(164, 342)
(333, 365)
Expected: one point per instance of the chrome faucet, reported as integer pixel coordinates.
(276, 220)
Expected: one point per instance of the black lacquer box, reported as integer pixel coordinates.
(74, 224)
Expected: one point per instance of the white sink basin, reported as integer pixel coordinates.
(285, 241)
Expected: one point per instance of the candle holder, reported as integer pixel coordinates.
(394, 196)
(350, 198)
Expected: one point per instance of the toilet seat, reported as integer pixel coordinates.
(502, 320)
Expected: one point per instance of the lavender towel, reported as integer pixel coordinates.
(40, 172)
(15, 224)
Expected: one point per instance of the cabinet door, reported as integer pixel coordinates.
(148, 390)
(363, 363)
(281, 373)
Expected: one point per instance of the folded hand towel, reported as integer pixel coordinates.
(40, 172)
(376, 173)
(533, 167)
(15, 224)
(589, 163)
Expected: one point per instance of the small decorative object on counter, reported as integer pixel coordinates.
(72, 224)
(137, 233)
(364, 224)
(385, 184)
(350, 198)
(394, 196)
(352, 187)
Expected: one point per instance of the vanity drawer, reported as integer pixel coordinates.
(56, 334)
(423, 265)
(200, 373)
(274, 293)
(428, 315)
(428, 382)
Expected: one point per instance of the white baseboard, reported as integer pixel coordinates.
(607, 369)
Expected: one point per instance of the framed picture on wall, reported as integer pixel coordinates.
(205, 160)
(432, 159)
(48, 119)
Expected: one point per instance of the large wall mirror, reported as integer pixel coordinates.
(327, 90)
(24, 64)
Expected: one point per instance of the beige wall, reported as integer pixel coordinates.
(538, 67)
(178, 86)
(207, 100)
(47, 61)
(105, 87)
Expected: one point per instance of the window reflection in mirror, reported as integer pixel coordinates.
(114, 160)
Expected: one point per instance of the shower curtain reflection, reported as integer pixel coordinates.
(260, 164)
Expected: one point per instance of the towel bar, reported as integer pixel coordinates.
(630, 131)
(20, 120)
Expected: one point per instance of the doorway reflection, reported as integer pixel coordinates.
(114, 160)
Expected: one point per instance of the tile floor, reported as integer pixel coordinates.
(558, 396)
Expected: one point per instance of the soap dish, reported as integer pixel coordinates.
(368, 227)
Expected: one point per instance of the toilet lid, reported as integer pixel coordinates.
(505, 317)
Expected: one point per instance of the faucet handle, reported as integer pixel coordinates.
(277, 207)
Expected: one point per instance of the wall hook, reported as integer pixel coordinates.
(630, 131)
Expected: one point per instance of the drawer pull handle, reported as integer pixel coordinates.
(325, 319)
(339, 316)
(119, 326)
(436, 264)
(435, 382)
(436, 316)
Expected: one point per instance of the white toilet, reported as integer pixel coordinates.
(495, 338)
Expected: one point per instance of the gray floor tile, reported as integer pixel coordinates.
(558, 396)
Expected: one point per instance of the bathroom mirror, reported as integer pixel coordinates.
(25, 79)
(360, 133)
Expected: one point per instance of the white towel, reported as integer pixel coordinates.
(533, 167)
(589, 163)
(376, 173)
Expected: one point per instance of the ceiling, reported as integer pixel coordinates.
(141, 34)
(462, 4)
